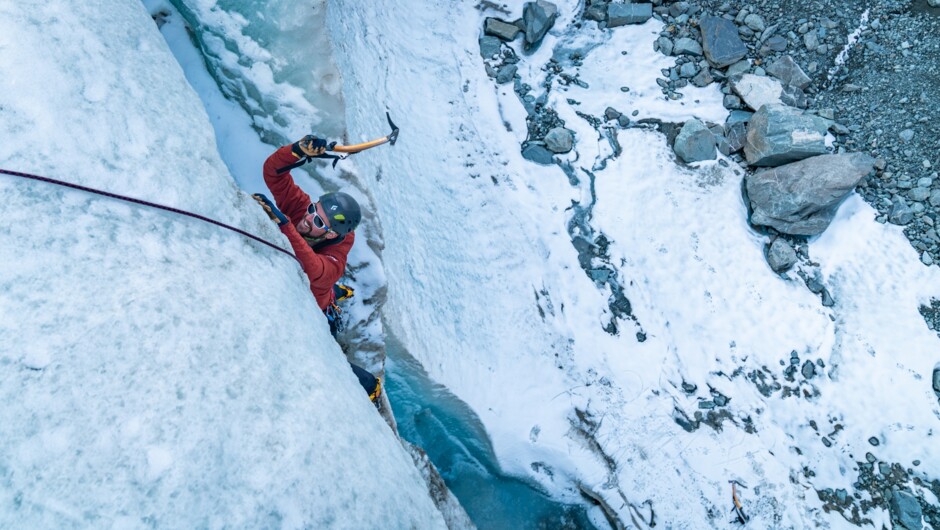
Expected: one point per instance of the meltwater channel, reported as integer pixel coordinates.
(429, 416)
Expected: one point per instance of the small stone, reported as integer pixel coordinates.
(623, 120)
(721, 42)
(506, 73)
(789, 73)
(703, 78)
(688, 70)
(738, 68)
(781, 256)
(919, 194)
(611, 113)
(732, 102)
(842, 495)
(755, 22)
(926, 259)
(706, 404)
(808, 370)
(826, 442)
(873, 441)
(900, 214)
(906, 135)
(687, 46)
(871, 458)
(664, 44)
(775, 44)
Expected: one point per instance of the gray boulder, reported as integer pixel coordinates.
(757, 90)
(506, 73)
(802, 198)
(501, 29)
(789, 73)
(623, 14)
(686, 46)
(537, 154)
(777, 134)
(721, 42)
(537, 18)
(781, 256)
(489, 46)
(695, 142)
(933, 3)
(559, 140)
(905, 508)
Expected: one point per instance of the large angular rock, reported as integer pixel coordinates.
(559, 140)
(777, 134)
(501, 29)
(623, 14)
(721, 42)
(695, 142)
(789, 73)
(802, 198)
(905, 508)
(537, 154)
(489, 46)
(537, 18)
(757, 90)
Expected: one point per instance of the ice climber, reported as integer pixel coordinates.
(321, 233)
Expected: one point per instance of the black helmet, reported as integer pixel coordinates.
(342, 211)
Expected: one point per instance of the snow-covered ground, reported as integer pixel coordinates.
(484, 285)
(486, 291)
(158, 371)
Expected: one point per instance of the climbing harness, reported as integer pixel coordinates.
(144, 203)
(389, 138)
(333, 311)
(737, 508)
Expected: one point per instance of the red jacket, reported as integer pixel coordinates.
(324, 267)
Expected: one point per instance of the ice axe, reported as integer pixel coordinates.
(389, 138)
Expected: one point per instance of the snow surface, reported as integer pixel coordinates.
(158, 370)
(477, 251)
(484, 286)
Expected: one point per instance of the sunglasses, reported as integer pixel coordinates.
(318, 221)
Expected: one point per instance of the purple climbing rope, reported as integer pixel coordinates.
(144, 203)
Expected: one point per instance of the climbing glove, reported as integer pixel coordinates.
(271, 209)
(309, 145)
